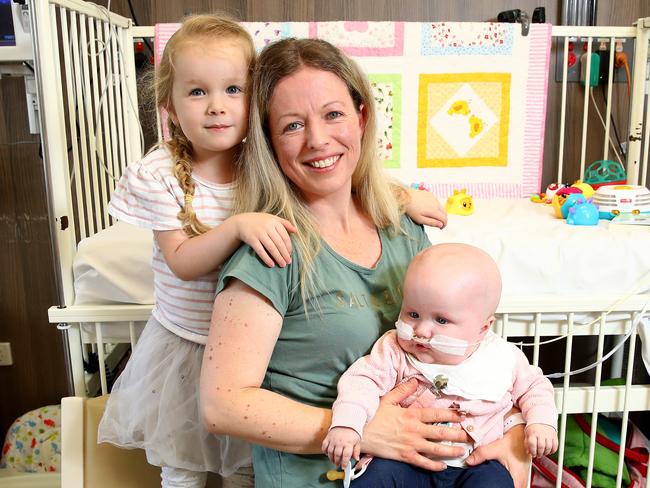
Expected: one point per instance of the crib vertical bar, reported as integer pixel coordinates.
(594, 415)
(94, 214)
(159, 126)
(538, 327)
(72, 114)
(626, 401)
(504, 328)
(106, 135)
(616, 368)
(80, 114)
(108, 33)
(585, 110)
(119, 102)
(498, 326)
(637, 102)
(100, 180)
(608, 108)
(135, 142)
(565, 392)
(132, 334)
(565, 65)
(100, 357)
(646, 142)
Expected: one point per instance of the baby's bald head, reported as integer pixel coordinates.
(466, 272)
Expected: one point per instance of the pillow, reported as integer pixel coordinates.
(114, 266)
(33, 442)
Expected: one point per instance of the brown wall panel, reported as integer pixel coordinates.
(27, 285)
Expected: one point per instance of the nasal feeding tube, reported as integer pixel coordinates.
(439, 342)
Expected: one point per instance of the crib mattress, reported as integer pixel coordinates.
(536, 252)
(540, 254)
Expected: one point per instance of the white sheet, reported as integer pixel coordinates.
(540, 254)
(536, 252)
(114, 266)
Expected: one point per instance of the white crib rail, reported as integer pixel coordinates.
(89, 117)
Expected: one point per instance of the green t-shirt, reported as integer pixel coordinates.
(356, 305)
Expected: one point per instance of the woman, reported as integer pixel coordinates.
(281, 337)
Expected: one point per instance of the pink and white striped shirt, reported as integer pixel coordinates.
(148, 195)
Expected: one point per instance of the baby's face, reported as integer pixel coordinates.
(442, 305)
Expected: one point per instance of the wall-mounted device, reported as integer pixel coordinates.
(15, 39)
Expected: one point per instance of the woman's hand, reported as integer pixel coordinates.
(407, 434)
(424, 208)
(510, 451)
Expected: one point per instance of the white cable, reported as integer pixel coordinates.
(611, 143)
(635, 323)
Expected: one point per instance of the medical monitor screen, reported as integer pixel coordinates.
(7, 33)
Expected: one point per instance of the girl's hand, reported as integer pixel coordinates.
(341, 444)
(407, 434)
(510, 451)
(424, 208)
(268, 235)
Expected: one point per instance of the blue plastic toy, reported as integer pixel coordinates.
(571, 200)
(583, 213)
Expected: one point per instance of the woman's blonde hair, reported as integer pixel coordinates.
(263, 187)
(194, 29)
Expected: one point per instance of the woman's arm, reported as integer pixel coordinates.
(245, 328)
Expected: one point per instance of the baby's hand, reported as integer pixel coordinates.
(541, 440)
(340, 444)
(268, 235)
(424, 208)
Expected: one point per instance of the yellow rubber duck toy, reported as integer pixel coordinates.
(460, 203)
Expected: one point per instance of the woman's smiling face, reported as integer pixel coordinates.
(316, 132)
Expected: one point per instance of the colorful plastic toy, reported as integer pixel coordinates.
(460, 203)
(559, 198)
(570, 200)
(583, 212)
(586, 189)
(349, 473)
(617, 199)
(551, 190)
(538, 198)
(605, 172)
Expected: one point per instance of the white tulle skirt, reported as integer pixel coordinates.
(154, 405)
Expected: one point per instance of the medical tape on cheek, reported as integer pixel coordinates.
(439, 342)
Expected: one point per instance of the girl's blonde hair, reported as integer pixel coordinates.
(263, 187)
(194, 29)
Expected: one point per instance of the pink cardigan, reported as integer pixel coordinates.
(372, 376)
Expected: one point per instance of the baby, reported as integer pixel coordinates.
(443, 338)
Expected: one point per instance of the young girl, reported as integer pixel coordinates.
(443, 339)
(182, 190)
